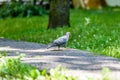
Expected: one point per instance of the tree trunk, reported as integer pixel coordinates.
(59, 13)
(103, 3)
(34, 2)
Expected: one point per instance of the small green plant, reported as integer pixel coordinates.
(11, 68)
(14, 69)
(107, 74)
(17, 9)
(3, 53)
(59, 74)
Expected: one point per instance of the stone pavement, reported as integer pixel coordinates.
(80, 63)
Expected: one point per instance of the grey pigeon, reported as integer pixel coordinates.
(61, 41)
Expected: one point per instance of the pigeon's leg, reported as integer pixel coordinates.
(65, 45)
(58, 47)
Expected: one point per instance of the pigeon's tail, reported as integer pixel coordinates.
(49, 46)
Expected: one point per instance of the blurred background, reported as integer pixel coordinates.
(24, 8)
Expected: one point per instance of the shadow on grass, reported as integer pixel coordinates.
(38, 55)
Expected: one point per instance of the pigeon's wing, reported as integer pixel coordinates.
(60, 41)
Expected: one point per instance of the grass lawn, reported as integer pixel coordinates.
(96, 31)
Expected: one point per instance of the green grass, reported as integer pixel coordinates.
(14, 69)
(97, 31)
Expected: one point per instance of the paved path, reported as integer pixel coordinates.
(79, 62)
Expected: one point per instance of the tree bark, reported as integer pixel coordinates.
(59, 13)
(34, 2)
(103, 3)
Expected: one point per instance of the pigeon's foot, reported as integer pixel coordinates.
(59, 49)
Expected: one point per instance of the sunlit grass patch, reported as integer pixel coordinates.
(112, 51)
(15, 69)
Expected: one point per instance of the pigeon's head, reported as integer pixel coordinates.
(68, 34)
